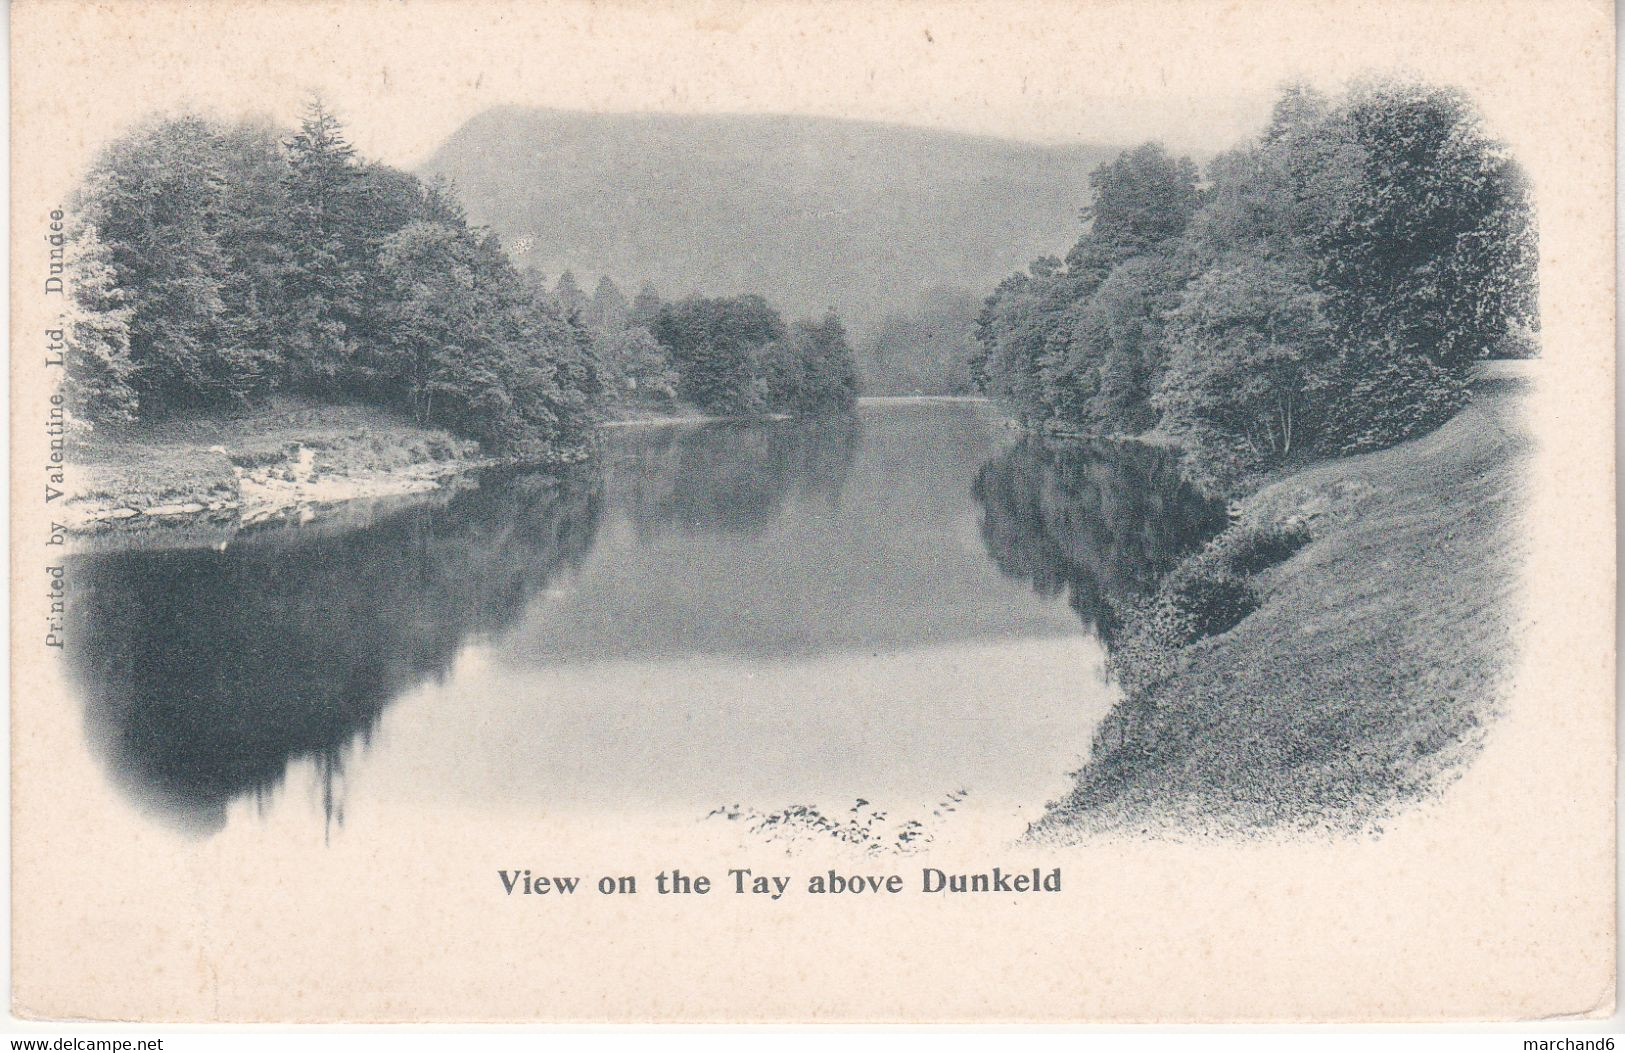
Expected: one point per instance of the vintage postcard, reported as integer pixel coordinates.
(705, 511)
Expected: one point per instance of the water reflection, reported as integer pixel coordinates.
(204, 672)
(733, 477)
(207, 671)
(785, 541)
(815, 601)
(1101, 521)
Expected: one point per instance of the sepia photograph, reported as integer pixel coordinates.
(1096, 490)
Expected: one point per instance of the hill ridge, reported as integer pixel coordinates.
(810, 211)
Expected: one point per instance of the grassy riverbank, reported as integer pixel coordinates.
(248, 467)
(1371, 667)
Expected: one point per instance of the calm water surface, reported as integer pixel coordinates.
(891, 608)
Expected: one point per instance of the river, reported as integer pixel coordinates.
(896, 622)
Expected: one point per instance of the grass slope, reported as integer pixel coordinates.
(1370, 671)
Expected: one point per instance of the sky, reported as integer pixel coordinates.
(404, 74)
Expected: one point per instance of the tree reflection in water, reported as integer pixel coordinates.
(1099, 520)
(206, 672)
(732, 477)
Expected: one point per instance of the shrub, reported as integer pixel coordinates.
(1207, 594)
(1394, 396)
(1202, 597)
(1147, 647)
(1207, 600)
(1251, 547)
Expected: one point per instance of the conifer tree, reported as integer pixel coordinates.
(97, 337)
(568, 296)
(328, 257)
(645, 307)
(609, 307)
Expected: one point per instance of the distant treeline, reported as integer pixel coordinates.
(925, 350)
(730, 356)
(215, 264)
(1326, 290)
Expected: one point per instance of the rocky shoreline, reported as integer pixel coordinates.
(233, 474)
(272, 493)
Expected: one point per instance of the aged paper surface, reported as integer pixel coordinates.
(375, 869)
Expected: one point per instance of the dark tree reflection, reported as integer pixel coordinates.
(205, 672)
(732, 477)
(1098, 520)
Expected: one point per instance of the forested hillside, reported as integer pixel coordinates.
(1326, 289)
(212, 265)
(925, 350)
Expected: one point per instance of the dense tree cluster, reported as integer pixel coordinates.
(735, 356)
(1326, 290)
(636, 372)
(216, 264)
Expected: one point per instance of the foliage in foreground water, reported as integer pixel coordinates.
(864, 826)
